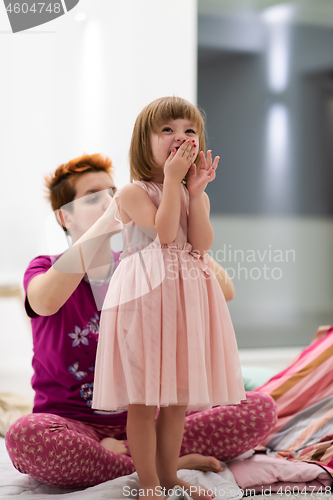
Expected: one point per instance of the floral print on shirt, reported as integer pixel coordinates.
(80, 336)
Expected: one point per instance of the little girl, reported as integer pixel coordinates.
(166, 339)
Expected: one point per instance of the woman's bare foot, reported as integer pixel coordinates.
(193, 491)
(199, 462)
(114, 445)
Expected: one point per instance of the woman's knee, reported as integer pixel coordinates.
(28, 429)
(264, 405)
(259, 414)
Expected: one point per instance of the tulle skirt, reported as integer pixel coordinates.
(166, 336)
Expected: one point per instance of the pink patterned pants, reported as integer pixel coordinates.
(66, 453)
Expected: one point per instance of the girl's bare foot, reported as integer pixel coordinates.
(199, 462)
(149, 491)
(114, 445)
(193, 491)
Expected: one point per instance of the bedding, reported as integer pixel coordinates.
(303, 393)
(14, 485)
(263, 473)
(12, 406)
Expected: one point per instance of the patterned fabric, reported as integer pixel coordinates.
(66, 453)
(226, 432)
(303, 393)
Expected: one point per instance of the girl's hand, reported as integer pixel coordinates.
(197, 182)
(179, 161)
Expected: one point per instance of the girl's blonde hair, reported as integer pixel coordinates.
(142, 164)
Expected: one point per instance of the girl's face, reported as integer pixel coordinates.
(172, 134)
(94, 191)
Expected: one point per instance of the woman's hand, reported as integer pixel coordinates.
(179, 161)
(109, 213)
(197, 182)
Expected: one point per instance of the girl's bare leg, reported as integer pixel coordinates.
(141, 436)
(169, 433)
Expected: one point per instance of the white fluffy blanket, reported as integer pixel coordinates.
(13, 485)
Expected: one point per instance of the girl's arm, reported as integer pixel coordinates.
(200, 232)
(136, 203)
(221, 274)
(48, 292)
(132, 196)
(223, 278)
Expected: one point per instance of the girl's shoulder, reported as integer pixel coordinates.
(132, 187)
(136, 192)
(151, 187)
(148, 183)
(148, 186)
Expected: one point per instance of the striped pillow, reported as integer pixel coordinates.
(303, 393)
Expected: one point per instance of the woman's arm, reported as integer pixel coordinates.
(49, 291)
(223, 278)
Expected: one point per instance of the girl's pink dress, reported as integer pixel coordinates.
(166, 336)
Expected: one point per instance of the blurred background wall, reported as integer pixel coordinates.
(69, 87)
(263, 73)
(265, 80)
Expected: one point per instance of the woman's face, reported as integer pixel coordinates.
(94, 191)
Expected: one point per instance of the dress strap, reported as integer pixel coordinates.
(141, 184)
(117, 211)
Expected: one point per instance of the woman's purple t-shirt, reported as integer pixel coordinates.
(64, 352)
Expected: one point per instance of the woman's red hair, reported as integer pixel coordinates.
(61, 185)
